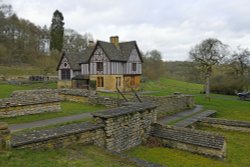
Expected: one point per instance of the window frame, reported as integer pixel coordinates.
(99, 66)
(134, 67)
(65, 74)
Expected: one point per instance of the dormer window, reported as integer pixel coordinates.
(99, 66)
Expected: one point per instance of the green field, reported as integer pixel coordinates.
(7, 89)
(229, 107)
(238, 145)
(168, 86)
(76, 156)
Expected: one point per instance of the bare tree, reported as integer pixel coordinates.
(207, 54)
(240, 62)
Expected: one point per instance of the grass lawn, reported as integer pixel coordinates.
(227, 108)
(238, 151)
(76, 156)
(238, 145)
(6, 89)
(68, 108)
(168, 86)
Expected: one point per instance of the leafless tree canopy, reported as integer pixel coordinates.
(207, 54)
(240, 61)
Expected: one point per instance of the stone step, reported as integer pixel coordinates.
(194, 118)
(169, 119)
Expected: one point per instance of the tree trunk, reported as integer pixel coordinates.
(207, 85)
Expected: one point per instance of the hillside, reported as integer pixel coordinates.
(167, 86)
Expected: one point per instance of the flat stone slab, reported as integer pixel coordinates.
(226, 122)
(168, 119)
(136, 107)
(189, 136)
(194, 118)
(46, 134)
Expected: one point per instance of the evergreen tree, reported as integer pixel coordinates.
(56, 31)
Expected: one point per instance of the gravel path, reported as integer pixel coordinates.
(164, 120)
(17, 127)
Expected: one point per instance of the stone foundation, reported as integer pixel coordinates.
(126, 127)
(195, 141)
(232, 125)
(30, 102)
(169, 105)
(60, 137)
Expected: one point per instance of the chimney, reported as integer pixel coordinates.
(115, 40)
(91, 43)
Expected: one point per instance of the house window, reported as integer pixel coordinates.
(99, 66)
(65, 74)
(118, 81)
(133, 66)
(100, 82)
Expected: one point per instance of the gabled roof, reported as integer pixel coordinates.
(112, 52)
(126, 48)
(76, 58)
(73, 59)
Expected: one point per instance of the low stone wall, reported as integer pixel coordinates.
(35, 93)
(109, 102)
(196, 141)
(29, 102)
(166, 105)
(227, 124)
(59, 137)
(21, 109)
(86, 96)
(115, 129)
(169, 105)
(128, 126)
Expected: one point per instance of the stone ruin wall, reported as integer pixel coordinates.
(127, 126)
(48, 100)
(114, 129)
(29, 102)
(166, 105)
(195, 141)
(60, 137)
(232, 125)
(118, 129)
(169, 105)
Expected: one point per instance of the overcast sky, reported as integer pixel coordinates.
(170, 26)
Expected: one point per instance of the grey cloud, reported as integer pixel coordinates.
(169, 26)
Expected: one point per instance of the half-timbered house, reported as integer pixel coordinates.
(107, 65)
